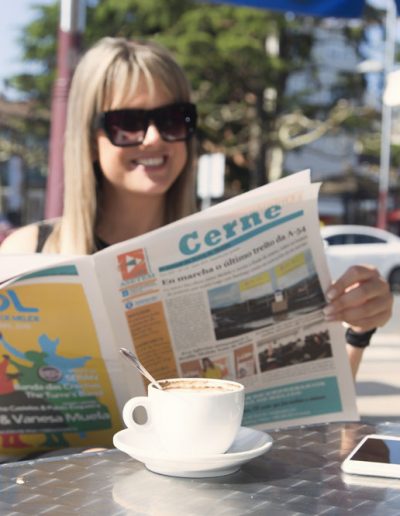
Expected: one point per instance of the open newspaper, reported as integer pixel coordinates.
(235, 291)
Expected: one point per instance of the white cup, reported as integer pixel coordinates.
(190, 416)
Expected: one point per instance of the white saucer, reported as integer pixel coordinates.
(249, 443)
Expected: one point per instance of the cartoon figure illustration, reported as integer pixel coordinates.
(64, 364)
(59, 389)
(28, 376)
(10, 440)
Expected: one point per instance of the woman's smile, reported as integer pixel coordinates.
(150, 162)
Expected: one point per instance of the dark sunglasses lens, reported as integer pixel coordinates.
(125, 127)
(176, 123)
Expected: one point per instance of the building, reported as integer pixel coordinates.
(350, 177)
(23, 161)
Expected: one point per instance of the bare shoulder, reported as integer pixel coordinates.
(22, 240)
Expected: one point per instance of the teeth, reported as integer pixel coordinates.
(150, 162)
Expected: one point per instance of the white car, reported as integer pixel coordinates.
(348, 245)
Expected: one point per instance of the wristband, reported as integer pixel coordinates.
(359, 340)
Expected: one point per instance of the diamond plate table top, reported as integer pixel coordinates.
(299, 475)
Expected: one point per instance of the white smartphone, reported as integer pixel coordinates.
(375, 455)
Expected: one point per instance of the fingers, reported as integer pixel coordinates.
(351, 278)
(361, 298)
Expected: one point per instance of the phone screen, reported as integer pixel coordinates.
(386, 451)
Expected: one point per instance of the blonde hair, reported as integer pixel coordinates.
(108, 73)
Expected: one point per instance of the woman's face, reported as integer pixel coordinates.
(148, 169)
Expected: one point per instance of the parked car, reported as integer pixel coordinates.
(348, 245)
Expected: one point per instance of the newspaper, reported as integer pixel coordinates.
(235, 291)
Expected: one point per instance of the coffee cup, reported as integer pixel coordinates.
(189, 416)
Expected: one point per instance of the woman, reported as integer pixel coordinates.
(121, 180)
(210, 370)
(128, 165)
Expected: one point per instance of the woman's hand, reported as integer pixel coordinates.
(361, 298)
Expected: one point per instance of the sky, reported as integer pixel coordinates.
(15, 15)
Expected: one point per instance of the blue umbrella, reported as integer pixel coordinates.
(324, 8)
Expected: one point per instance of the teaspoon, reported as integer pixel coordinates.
(133, 358)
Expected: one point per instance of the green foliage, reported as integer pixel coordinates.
(225, 46)
(396, 155)
(222, 48)
(132, 18)
(39, 44)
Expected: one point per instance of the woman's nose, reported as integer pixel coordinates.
(152, 135)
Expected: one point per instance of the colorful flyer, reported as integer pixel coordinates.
(54, 387)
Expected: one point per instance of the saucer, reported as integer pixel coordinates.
(248, 444)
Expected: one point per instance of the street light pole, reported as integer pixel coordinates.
(386, 130)
(72, 22)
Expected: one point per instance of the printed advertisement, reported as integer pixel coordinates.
(54, 387)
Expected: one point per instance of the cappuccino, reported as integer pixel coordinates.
(198, 386)
(202, 418)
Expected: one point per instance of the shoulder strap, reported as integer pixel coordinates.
(44, 231)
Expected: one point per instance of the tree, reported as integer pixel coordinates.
(237, 59)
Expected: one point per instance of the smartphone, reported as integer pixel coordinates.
(368, 481)
(376, 455)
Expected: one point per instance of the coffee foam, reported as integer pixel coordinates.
(198, 386)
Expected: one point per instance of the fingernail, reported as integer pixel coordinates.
(331, 294)
(328, 310)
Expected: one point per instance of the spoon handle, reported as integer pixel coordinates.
(133, 358)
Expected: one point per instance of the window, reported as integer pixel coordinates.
(367, 239)
(336, 240)
(353, 239)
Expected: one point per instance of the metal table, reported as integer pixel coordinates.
(299, 475)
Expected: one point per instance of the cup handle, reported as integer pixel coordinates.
(129, 407)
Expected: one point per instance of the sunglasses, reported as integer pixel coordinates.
(128, 127)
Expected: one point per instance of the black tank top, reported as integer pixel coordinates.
(45, 229)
